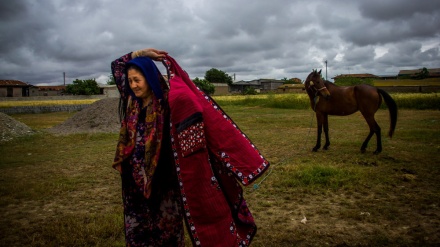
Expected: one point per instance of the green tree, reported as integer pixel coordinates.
(292, 81)
(204, 85)
(424, 73)
(111, 80)
(217, 76)
(249, 91)
(83, 87)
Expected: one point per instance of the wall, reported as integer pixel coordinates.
(43, 109)
(221, 89)
(64, 97)
(3, 92)
(16, 92)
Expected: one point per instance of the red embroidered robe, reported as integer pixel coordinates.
(212, 157)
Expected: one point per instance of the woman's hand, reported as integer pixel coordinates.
(118, 167)
(154, 54)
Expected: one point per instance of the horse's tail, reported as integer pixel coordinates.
(392, 107)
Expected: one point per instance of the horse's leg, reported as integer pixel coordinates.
(365, 144)
(319, 119)
(327, 139)
(374, 129)
(379, 140)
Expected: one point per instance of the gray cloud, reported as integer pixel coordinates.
(262, 39)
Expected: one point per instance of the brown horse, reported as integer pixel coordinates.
(328, 99)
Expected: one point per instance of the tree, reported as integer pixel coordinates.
(204, 85)
(217, 76)
(249, 91)
(424, 73)
(292, 81)
(111, 80)
(83, 87)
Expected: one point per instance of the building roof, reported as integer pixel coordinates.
(100, 85)
(16, 83)
(257, 82)
(355, 76)
(51, 88)
(433, 71)
(291, 86)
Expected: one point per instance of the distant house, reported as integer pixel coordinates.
(291, 88)
(111, 91)
(51, 90)
(435, 72)
(387, 77)
(359, 76)
(14, 88)
(221, 88)
(260, 85)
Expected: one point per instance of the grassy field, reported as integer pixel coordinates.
(420, 101)
(61, 190)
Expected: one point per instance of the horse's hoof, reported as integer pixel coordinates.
(315, 150)
(325, 148)
(376, 152)
(363, 150)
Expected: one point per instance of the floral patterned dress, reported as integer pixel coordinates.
(158, 220)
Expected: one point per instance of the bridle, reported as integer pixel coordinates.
(312, 87)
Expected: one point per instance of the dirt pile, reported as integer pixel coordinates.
(101, 116)
(11, 128)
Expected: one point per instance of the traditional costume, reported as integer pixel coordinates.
(187, 140)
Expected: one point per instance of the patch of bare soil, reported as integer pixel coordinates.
(11, 128)
(101, 116)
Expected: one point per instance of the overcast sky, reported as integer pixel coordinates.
(39, 40)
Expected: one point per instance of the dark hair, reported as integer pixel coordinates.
(123, 101)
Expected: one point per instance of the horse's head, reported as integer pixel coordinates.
(314, 84)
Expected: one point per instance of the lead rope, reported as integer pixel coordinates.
(257, 186)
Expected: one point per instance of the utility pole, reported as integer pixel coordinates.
(326, 70)
(64, 76)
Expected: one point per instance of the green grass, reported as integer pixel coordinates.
(419, 101)
(44, 120)
(61, 190)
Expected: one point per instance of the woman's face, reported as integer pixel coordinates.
(138, 84)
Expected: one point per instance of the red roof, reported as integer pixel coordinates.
(51, 88)
(355, 76)
(13, 83)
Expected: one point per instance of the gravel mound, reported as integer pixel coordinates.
(101, 116)
(11, 128)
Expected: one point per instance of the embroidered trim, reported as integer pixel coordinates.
(193, 119)
(191, 228)
(224, 158)
(192, 139)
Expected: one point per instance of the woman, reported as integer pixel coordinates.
(151, 217)
(180, 156)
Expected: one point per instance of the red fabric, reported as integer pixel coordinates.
(214, 208)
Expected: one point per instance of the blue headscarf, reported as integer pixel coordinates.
(150, 72)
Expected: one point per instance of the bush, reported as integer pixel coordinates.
(83, 87)
(204, 85)
(249, 91)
